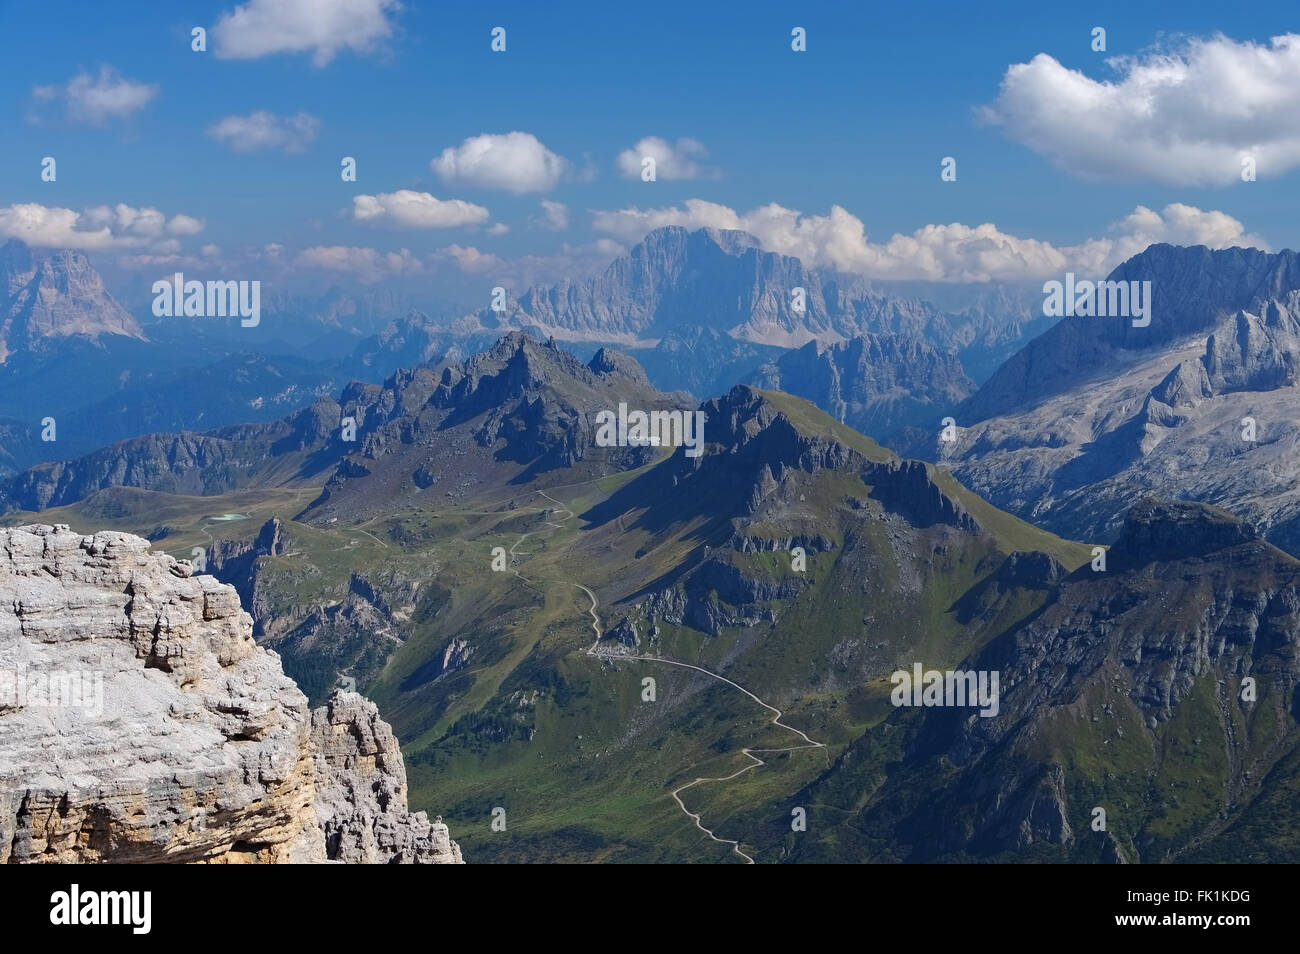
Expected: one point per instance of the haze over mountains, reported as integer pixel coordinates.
(715, 292)
(877, 384)
(708, 308)
(71, 352)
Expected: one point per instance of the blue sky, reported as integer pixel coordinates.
(860, 121)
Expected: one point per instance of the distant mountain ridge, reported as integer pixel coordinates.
(1192, 289)
(675, 280)
(517, 402)
(1199, 405)
(46, 295)
(877, 384)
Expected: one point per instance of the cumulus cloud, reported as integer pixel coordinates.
(468, 259)
(1180, 117)
(97, 100)
(322, 28)
(416, 210)
(184, 225)
(632, 223)
(99, 227)
(265, 130)
(555, 216)
(953, 252)
(515, 161)
(364, 264)
(671, 161)
(1175, 224)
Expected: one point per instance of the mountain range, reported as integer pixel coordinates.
(719, 296)
(503, 587)
(1096, 412)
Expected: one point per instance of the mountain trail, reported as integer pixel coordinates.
(593, 650)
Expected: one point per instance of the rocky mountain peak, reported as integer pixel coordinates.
(1193, 288)
(54, 294)
(1193, 291)
(875, 383)
(1159, 530)
(608, 361)
(675, 280)
(516, 364)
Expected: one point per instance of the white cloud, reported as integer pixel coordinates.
(416, 210)
(320, 27)
(498, 228)
(631, 224)
(184, 225)
(149, 261)
(98, 227)
(515, 161)
(555, 216)
(366, 264)
(468, 259)
(264, 130)
(211, 251)
(1175, 224)
(97, 100)
(1184, 117)
(603, 246)
(671, 162)
(953, 252)
(147, 223)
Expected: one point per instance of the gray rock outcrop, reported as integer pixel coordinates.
(1199, 405)
(140, 722)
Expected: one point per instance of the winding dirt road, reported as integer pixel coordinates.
(594, 650)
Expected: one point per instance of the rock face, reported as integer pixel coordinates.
(140, 722)
(53, 296)
(874, 383)
(1155, 530)
(361, 790)
(676, 280)
(1199, 405)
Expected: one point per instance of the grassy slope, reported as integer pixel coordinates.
(565, 742)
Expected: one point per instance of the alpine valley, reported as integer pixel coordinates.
(633, 653)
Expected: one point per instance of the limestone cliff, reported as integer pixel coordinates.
(140, 722)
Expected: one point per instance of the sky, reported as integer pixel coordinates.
(477, 167)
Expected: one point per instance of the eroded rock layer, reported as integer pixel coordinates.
(140, 722)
